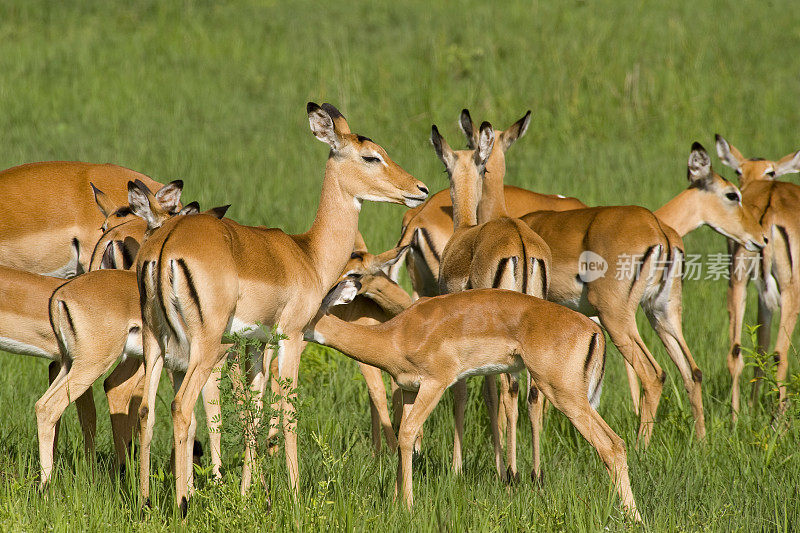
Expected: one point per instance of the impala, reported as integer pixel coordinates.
(428, 228)
(500, 253)
(775, 204)
(54, 234)
(653, 242)
(96, 321)
(196, 290)
(438, 341)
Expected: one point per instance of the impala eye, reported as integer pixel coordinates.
(733, 196)
(370, 159)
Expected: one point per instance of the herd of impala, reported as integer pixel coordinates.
(497, 289)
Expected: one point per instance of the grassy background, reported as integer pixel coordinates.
(214, 93)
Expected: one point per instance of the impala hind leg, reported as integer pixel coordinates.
(494, 407)
(536, 401)
(123, 388)
(790, 306)
(633, 385)
(625, 337)
(426, 399)
(205, 354)
(459, 406)
(70, 384)
(510, 402)
(379, 409)
(154, 363)
(764, 337)
(608, 444)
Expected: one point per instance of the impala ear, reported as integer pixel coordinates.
(342, 293)
(387, 259)
(143, 204)
(218, 212)
(699, 165)
(339, 122)
(465, 123)
(515, 131)
(190, 209)
(442, 149)
(789, 164)
(169, 196)
(359, 246)
(730, 156)
(485, 145)
(322, 126)
(106, 205)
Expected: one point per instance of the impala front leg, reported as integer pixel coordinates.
(737, 296)
(154, 363)
(289, 365)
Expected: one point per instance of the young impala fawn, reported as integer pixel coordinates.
(653, 243)
(501, 252)
(775, 204)
(96, 322)
(440, 340)
(196, 290)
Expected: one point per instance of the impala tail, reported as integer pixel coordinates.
(595, 368)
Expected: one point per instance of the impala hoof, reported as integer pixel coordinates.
(538, 480)
(184, 507)
(512, 478)
(146, 503)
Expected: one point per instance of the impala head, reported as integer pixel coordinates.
(157, 208)
(465, 169)
(756, 168)
(366, 171)
(504, 139)
(342, 293)
(372, 272)
(719, 202)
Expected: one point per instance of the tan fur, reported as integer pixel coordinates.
(47, 207)
(775, 204)
(634, 232)
(436, 341)
(196, 289)
(500, 252)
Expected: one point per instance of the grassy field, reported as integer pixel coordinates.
(214, 93)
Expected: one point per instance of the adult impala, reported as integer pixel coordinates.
(501, 252)
(428, 228)
(653, 244)
(194, 291)
(438, 341)
(776, 205)
(50, 224)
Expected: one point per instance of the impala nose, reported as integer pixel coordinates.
(423, 188)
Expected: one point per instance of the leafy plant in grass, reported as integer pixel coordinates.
(765, 362)
(249, 418)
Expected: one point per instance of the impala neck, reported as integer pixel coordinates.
(683, 213)
(372, 345)
(465, 195)
(331, 237)
(493, 198)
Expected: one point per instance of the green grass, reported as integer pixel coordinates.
(214, 93)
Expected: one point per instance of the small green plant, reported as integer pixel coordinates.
(765, 363)
(249, 417)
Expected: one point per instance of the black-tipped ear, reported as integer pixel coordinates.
(139, 202)
(339, 122)
(442, 149)
(169, 196)
(191, 208)
(515, 131)
(219, 211)
(485, 144)
(106, 205)
(699, 165)
(730, 156)
(322, 126)
(465, 123)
